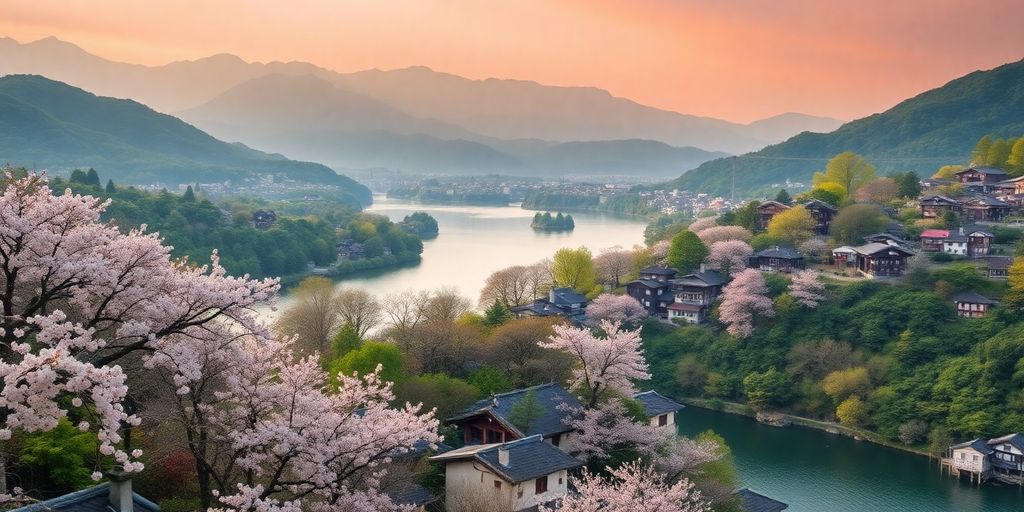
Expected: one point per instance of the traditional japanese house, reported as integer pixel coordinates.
(660, 410)
(981, 179)
(936, 206)
(505, 477)
(887, 238)
(931, 239)
(982, 208)
(777, 259)
(1008, 455)
(1012, 191)
(998, 267)
(116, 495)
(695, 294)
(979, 241)
(882, 260)
(767, 210)
(559, 302)
(490, 420)
(654, 290)
(823, 214)
(972, 305)
(971, 457)
(844, 256)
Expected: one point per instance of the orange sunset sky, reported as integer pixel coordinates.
(739, 60)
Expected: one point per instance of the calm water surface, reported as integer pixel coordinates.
(474, 241)
(815, 471)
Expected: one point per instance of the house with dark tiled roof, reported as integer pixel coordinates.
(980, 178)
(984, 208)
(1001, 458)
(511, 476)
(886, 238)
(752, 501)
(653, 290)
(998, 267)
(660, 410)
(113, 496)
(882, 260)
(971, 456)
(972, 304)
(1008, 454)
(777, 259)
(823, 214)
(695, 295)
(559, 302)
(490, 420)
(936, 206)
(767, 210)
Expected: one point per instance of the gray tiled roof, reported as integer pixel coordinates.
(410, 493)
(549, 396)
(92, 499)
(979, 445)
(876, 247)
(656, 404)
(995, 171)
(779, 252)
(972, 298)
(528, 458)
(757, 502)
(650, 283)
(1015, 439)
(660, 271)
(567, 296)
(702, 279)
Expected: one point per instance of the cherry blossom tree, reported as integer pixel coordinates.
(807, 288)
(702, 223)
(79, 297)
(609, 363)
(612, 265)
(723, 233)
(614, 308)
(742, 299)
(631, 487)
(659, 251)
(729, 255)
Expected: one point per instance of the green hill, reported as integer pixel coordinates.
(51, 125)
(934, 128)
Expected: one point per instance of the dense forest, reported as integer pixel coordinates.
(547, 222)
(626, 204)
(305, 231)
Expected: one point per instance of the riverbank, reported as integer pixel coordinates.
(825, 426)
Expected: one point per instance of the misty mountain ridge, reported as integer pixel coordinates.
(490, 108)
(937, 127)
(50, 124)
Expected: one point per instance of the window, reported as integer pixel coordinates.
(476, 435)
(497, 484)
(495, 436)
(541, 485)
(555, 439)
(663, 420)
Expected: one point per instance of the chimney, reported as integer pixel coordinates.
(120, 496)
(961, 230)
(703, 268)
(551, 295)
(503, 456)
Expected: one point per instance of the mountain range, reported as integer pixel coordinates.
(413, 118)
(934, 128)
(49, 124)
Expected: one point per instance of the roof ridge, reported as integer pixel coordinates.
(520, 390)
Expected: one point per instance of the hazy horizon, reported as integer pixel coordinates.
(740, 61)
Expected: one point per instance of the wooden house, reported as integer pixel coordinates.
(1008, 454)
(1012, 191)
(982, 208)
(972, 305)
(660, 410)
(517, 475)
(844, 256)
(979, 241)
(998, 267)
(887, 238)
(491, 420)
(653, 289)
(767, 210)
(933, 207)
(981, 179)
(882, 260)
(695, 294)
(971, 457)
(559, 302)
(114, 495)
(823, 214)
(777, 259)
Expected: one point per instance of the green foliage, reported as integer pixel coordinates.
(909, 183)
(856, 221)
(686, 252)
(364, 360)
(525, 413)
(346, 340)
(490, 380)
(766, 389)
(547, 222)
(574, 268)
(63, 454)
(497, 314)
(448, 394)
(783, 197)
(420, 223)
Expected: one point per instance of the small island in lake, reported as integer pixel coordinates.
(547, 222)
(421, 224)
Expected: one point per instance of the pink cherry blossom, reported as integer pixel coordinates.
(729, 256)
(743, 299)
(629, 488)
(614, 308)
(724, 233)
(807, 288)
(608, 363)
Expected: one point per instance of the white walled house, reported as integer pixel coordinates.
(971, 456)
(505, 477)
(661, 410)
(1008, 454)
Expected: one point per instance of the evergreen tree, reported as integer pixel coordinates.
(686, 252)
(346, 340)
(92, 178)
(190, 196)
(980, 154)
(497, 314)
(77, 176)
(526, 412)
(783, 197)
(111, 189)
(909, 183)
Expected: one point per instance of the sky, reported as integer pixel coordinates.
(739, 60)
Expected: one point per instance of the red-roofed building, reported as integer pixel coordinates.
(931, 239)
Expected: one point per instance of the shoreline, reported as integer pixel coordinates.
(739, 409)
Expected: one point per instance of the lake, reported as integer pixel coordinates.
(474, 241)
(815, 471)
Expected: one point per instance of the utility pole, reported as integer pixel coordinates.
(732, 198)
